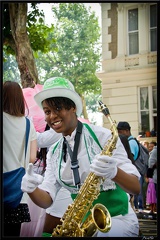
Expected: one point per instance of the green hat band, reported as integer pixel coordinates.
(57, 82)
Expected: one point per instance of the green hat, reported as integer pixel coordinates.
(59, 87)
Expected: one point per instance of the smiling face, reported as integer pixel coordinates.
(60, 115)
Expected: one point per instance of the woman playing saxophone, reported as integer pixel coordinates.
(83, 152)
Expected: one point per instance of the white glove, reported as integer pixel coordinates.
(30, 180)
(104, 166)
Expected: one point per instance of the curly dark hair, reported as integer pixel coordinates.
(60, 103)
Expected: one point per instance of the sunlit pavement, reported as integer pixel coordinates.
(147, 224)
(145, 214)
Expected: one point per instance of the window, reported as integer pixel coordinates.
(154, 96)
(148, 108)
(153, 27)
(133, 31)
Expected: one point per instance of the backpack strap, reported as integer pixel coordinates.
(27, 134)
(132, 138)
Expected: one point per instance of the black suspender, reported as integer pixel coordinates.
(73, 155)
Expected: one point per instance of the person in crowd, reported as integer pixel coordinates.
(62, 105)
(126, 145)
(145, 183)
(139, 137)
(151, 199)
(145, 144)
(63, 198)
(14, 131)
(151, 146)
(44, 220)
(125, 128)
(153, 162)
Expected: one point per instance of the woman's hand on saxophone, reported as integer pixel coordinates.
(104, 166)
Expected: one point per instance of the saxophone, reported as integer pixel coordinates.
(73, 221)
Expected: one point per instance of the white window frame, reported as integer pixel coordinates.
(130, 32)
(152, 114)
(151, 28)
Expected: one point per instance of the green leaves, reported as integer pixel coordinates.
(39, 37)
(38, 32)
(77, 33)
(70, 47)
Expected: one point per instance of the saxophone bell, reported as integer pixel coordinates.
(99, 219)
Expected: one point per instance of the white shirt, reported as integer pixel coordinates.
(57, 171)
(47, 138)
(14, 129)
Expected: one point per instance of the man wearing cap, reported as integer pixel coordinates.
(125, 128)
(76, 154)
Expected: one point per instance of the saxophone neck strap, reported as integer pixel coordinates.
(73, 155)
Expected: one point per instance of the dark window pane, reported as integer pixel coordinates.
(153, 16)
(133, 43)
(154, 95)
(153, 35)
(145, 121)
(133, 20)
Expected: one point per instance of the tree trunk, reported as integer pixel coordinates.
(24, 54)
(84, 111)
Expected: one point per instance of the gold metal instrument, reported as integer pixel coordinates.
(74, 222)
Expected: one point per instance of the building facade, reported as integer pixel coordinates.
(129, 64)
